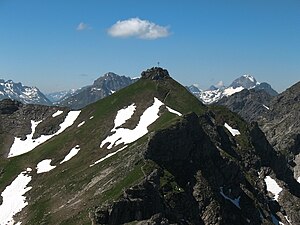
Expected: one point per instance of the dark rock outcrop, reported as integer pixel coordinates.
(199, 181)
(155, 73)
(8, 106)
(138, 203)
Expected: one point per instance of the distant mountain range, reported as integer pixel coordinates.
(104, 86)
(214, 94)
(56, 96)
(21, 93)
(110, 83)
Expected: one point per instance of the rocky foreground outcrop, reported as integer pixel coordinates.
(203, 175)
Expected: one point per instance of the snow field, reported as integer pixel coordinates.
(174, 111)
(71, 154)
(44, 166)
(79, 125)
(57, 113)
(230, 91)
(13, 198)
(20, 147)
(126, 136)
(123, 115)
(273, 187)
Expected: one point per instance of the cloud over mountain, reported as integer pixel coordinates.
(82, 26)
(135, 27)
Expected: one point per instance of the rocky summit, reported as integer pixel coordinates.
(151, 153)
(155, 73)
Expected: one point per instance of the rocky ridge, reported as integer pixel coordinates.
(104, 86)
(214, 94)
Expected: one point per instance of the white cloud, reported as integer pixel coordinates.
(135, 27)
(220, 84)
(83, 26)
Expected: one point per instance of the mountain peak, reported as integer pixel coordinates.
(249, 77)
(245, 81)
(155, 73)
(110, 74)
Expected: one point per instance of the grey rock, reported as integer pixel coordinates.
(102, 87)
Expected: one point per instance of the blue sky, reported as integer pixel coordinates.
(198, 41)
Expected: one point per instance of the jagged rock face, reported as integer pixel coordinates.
(24, 94)
(155, 73)
(249, 104)
(102, 87)
(138, 203)
(282, 123)
(196, 182)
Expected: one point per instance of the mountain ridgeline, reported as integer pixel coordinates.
(73, 98)
(21, 93)
(101, 88)
(150, 153)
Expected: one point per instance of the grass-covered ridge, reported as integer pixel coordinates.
(66, 194)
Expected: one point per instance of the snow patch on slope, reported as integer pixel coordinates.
(123, 115)
(273, 187)
(71, 154)
(126, 136)
(20, 147)
(174, 111)
(249, 77)
(44, 166)
(57, 113)
(230, 91)
(108, 156)
(13, 198)
(233, 132)
(266, 107)
(79, 125)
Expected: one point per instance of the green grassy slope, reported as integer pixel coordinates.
(70, 190)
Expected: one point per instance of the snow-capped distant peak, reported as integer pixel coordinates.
(24, 94)
(218, 91)
(252, 79)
